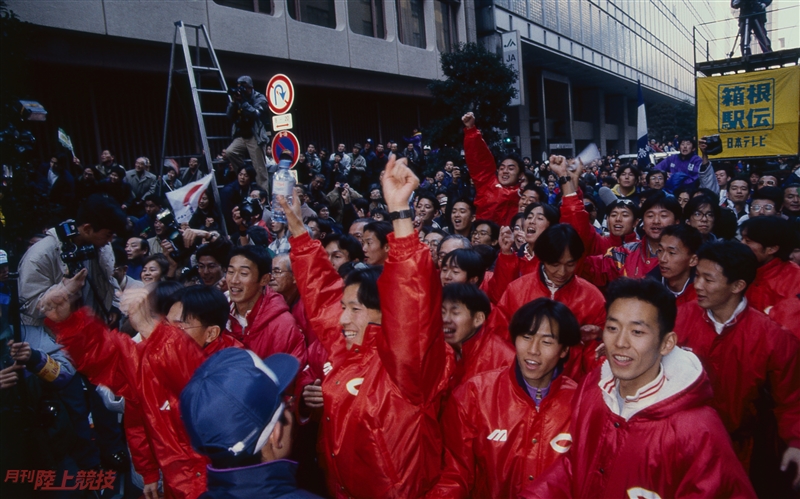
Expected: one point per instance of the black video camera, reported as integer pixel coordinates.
(72, 254)
(172, 233)
(249, 208)
(238, 91)
(713, 144)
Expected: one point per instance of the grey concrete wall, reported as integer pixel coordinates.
(275, 36)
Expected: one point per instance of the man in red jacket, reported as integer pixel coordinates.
(777, 278)
(464, 312)
(151, 374)
(259, 317)
(503, 428)
(677, 260)
(380, 435)
(742, 350)
(646, 408)
(496, 187)
(558, 249)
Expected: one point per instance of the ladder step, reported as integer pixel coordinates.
(204, 68)
(210, 91)
(224, 137)
(214, 114)
(200, 69)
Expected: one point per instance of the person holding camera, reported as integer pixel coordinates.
(247, 110)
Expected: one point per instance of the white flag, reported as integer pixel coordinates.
(184, 200)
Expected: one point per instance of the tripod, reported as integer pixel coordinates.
(754, 24)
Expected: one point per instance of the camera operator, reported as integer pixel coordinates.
(43, 268)
(247, 110)
(752, 17)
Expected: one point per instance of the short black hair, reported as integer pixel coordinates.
(468, 260)
(155, 198)
(470, 295)
(774, 194)
(688, 236)
(120, 256)
(708, 192)
(632, 167)
(530, 316)
(367, 282)
(652, 173)
(467, 201)
(219, 250)
(649, 291)
(550, 212)
(348, 243)
(697, 202)
(625, 204)
(771, 231)
(101, 213)
(538, 190)
(143, 244)
(430, 197)
(162, 262)
(207, 304)
(513, 157)
(381, 229)
(255, 254)
(551, 244)
(736, 259)
(518, 216)
(742, 177)
(379, 211)
(609, 180)
(665, 201)
(166, 294)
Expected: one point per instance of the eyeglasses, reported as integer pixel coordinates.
(482, 233)
(766, 207)
(183, 326)
(699, 215)
(589, 207)
(279, 272)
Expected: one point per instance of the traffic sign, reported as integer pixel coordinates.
(280, 94)
(282, 122)
(285, 141)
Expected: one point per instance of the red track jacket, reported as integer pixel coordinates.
(492, 200)
(574, 213)
(786, 313)
(496, 440)
(775, 281)
(150, 375)
(483, 352)
(628, 260)
(507, 269)
(674, 446)
(379, 433)
(750, 351)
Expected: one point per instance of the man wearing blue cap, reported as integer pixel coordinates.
(234, 412)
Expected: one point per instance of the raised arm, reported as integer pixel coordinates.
(411, 346)
(479, 158)
(458, 475)
(320, 285)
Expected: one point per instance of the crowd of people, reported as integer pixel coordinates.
(490, 327)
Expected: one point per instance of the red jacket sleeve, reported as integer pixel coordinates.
(506, 269)
(481, 163)
(320, 286)
(141, 453)
(500, 317)
(458, 475)
(573, 213)
(106, 357)
(411, 344)
(783, 371)
(600, 270)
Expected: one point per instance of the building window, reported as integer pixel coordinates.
(259, 6)
(411, 23)
(446, 31)
(319, 12)
(366, 17)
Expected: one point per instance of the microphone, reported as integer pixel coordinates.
(606, 195)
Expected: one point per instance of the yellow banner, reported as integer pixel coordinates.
(755, 114)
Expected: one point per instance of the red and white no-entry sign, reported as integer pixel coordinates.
(280, 94)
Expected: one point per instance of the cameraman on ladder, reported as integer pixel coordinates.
(752, 18)
(247, 110)
(67, 248)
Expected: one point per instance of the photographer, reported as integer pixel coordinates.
(247, 110)
(752, 18)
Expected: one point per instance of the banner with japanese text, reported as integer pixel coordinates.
(755, 114)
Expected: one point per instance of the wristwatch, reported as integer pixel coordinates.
(563, 180)
(399, 215)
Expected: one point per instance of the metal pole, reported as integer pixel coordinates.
(166, 111)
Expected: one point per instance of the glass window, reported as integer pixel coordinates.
(410, 23)
(259, 6)
(446, 31)
(319, 12)
(366, 17)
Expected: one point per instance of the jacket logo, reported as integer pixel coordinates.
(498, 436)
(164, 407)
(640, 493)
(564, 438)
(353, 384)
(326, 368)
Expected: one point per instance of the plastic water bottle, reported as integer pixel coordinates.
(282, 185)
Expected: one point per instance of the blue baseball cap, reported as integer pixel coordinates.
(233, 401)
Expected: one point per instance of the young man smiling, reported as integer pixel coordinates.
(497, 187)
(647, 404)
(677, 259)
(505, 426)
(742, 349)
